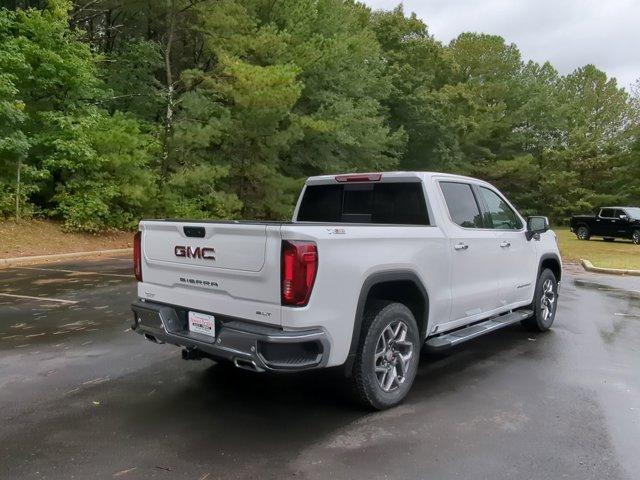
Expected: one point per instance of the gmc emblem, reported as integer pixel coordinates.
(204, 253)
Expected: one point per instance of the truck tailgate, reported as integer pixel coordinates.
(230, 269)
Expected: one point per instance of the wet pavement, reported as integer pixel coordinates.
(81, 396)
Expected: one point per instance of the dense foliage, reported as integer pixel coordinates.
(111, 110)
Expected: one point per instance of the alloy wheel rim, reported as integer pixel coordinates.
(548, 300)
(393, 356)
(582, 233)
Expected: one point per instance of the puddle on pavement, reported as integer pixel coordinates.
(626, 315)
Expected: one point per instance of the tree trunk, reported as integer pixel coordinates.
(18, 188)
(168, 121)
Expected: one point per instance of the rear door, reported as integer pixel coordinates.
(474, 273)
(517, 258)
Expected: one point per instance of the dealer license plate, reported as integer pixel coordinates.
(202, 323)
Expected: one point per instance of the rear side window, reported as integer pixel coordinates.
(606, 213)
(381, 203)
(462, 204)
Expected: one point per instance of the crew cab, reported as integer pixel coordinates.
(373, 268)
(610, 223)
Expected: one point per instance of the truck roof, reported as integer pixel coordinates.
(615, 207)
(381, 176)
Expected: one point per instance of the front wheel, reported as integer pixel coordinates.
(636, 237)
(387, 357)
(545, 302)
(583, 233)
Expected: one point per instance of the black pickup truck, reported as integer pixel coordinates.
(610, 223)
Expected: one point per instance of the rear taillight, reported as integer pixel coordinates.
(299, 267)
(137, 256)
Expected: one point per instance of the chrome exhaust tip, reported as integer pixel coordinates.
(247, 365)
(153, 339)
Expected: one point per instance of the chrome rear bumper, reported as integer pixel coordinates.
(247, 345)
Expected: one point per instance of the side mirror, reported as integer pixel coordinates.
(536, 226)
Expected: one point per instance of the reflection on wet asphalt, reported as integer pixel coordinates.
(81, 396)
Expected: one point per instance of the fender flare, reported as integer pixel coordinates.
(549, 256)
(371, 281)
(582, 223)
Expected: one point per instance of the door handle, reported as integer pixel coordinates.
(505, 245)
(461, 246)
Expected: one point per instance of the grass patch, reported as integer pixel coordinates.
(44, 237)
(617, 254)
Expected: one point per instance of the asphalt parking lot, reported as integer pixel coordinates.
(81, 396)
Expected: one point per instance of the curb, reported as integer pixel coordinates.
(4, 262)
(589, 267)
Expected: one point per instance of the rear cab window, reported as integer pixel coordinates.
(394, 203)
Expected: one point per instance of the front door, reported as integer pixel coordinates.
(604, 224)
(622, 225)
(517, 260)
(474, 276)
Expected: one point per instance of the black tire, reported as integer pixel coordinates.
(635, 237)
(540, 321)
(583, 232)
(365, 381)
(609, 239)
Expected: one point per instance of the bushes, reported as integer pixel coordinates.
(103, 165)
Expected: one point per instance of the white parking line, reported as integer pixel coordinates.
(43, 299)
(78, 272)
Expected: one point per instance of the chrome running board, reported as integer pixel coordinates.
(450, 339)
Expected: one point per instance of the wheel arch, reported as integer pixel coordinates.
(552, 262)
(403, 286)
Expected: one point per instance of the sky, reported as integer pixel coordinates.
(568, 33)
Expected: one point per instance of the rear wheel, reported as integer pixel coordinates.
(387, 357)
(636, 237)
(545, 302)
(583, 233)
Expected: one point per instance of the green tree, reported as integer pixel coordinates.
(73, 158)
(43, 68)
(101, 164)
(418, 67)
(296, 87)
(231, 103)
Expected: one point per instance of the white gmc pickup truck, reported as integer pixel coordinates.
(373, 268)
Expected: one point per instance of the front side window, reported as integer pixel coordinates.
(462, 205)
(499, 215)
